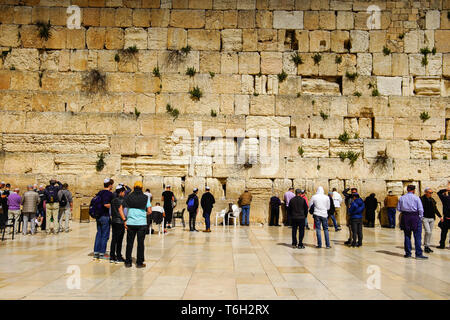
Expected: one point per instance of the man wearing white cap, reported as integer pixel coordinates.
(192, 208)
(207, 203)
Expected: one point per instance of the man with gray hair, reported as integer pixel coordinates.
(430, 212)
(30, 202)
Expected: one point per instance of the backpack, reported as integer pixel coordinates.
(95, 207)
(191, 203)
(63, 201)
(52, 194)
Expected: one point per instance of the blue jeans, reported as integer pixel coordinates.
(246, 214)
(391, 216)
(207, 216)
(101, 239)
(333, 218)
(417, 241)
(324, 222)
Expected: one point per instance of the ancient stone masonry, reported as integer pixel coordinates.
(233, 94)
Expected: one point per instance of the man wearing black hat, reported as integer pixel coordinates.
(192, 207)
(299, 210)
(207, 203)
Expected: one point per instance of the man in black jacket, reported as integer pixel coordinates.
(275, 204)
(371, 204)
(192, 207)
(117, 226)
(444, 195)
(299, 210)
(207, 203)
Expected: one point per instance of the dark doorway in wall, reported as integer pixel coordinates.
(223, 182)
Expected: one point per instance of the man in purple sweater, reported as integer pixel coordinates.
(14, 201)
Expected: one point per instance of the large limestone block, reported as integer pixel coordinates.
(176, 38)
(432, 19)
(441, 40)
(328, 66)
(262, 105)
(188, 19)
(308, 67)
(209, 61)
(377, 40)
(338, 39)
(288, 19)
(9, 35)
(330, 105)
(439, 169)
(337, 146)
(157, 38)
(413, 106)
(235, 187)
(231, 39)
(420, 149)
(329, 128)
(441, 149)
(319, 41)
(241, 104)
(204, 39)
(136, 37)
(22, 59)
(320, 87)
(415, 128)
(327, 20)
(75, 163)
(287, 105)
(95, 38)
(411, 169)
(302, 168)
(229, 63)
(248, 84)
(249, 63)
(226, 83)
(274, 123)
(359, 40)
(314, 148)
(55, 143)
(292, 85)
(382, 64)
(389, 86)
(28, 163)
(372, 147)
(271, 62)
(400, 65)
(427, 86)
(364, 64)
(345, 20)
(384, 127)
(114, 38)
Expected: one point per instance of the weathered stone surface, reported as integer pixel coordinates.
(345, 20)
(189, 19)
(432, 19)
(231, 39)
(314, 148)
(441, 40)
(204, 39)
(136, 37)
(420, 149)
(319, 87)
(271, 62)
(330, 128)
(359, 40)
(22, 59)
(288, 19)
(277, 123)
(389, 86)
(319, 41)
(427, 86)
(440, 149)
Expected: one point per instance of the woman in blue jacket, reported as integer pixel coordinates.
(356, 214)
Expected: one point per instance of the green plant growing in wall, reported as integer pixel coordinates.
(433, 51)
(213, 113)
(212, 74)
(381, 160)
(323, 115)
(401, 36)
(282, 76)
(386, 51)
(375, 92)
(117, 58)
(424, 61)
(344, 137)
(44, 29)
(156, 72)
(300, 151)
(424, 116)
(186, 50)
(338, 60)
(94, 82)
(350, 155)
(351, 75)
(347, 44)
(190, 71)
(137, 113)
(297, 59)
(196, 93)
(41, 74)
(100, 164)
(299, 94)
(356, 136)
(357, 94)
(172, 111)
(425, 51)
(317, 57)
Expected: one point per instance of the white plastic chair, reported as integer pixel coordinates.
(221, 215)
(235, 214)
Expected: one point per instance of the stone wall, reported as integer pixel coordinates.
(372, 81)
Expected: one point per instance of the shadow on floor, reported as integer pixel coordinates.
(395, 254)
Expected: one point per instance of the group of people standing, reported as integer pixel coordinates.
(415, 212)
(45, 206)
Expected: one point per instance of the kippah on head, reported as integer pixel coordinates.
(107, 180)
(411, 187)
(206, 188)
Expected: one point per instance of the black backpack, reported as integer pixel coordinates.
(63, 201)
(52, 194)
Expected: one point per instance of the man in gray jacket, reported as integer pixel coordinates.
(65, 207)
(30, 201)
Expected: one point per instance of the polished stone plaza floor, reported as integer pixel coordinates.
(254, 262)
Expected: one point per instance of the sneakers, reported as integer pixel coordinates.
(96, 257)
(301, 246)
(428, 250)
(329, 247)
(120, 259)
(421, 257)
(407, 256)
(127, 265)
(113, 261)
